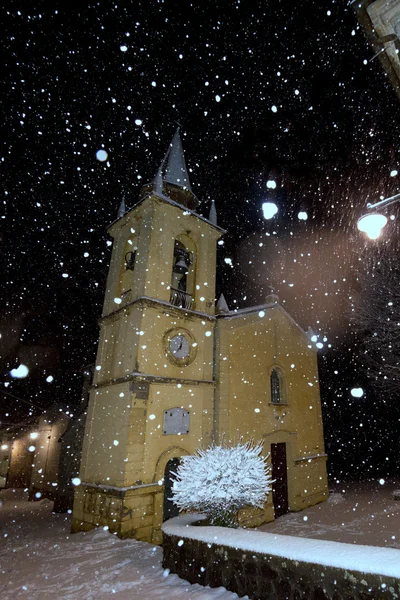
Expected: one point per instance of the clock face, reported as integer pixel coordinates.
(179, 346)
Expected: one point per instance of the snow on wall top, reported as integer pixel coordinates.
(365, 559)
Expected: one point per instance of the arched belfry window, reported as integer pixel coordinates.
(277, 387)
(128, 264)
(130, 258)
(182, 280)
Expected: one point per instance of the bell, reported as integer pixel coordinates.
(130, 261)
(181, 266)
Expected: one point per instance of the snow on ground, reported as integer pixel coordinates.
(41, 560)
(356, 513)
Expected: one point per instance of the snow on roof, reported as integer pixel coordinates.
(365, 559)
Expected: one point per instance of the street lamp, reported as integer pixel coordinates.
(373, 222)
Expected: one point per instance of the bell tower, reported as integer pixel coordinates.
(152, 398)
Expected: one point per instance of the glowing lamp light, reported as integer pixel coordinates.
(357, 392)
(372, 224)
(33, 435)
(4, 446)
(269, 210)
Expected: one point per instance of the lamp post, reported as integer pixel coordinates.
(373, 222)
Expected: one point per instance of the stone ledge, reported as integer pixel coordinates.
(213, 556)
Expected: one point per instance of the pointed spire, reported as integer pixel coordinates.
(222, 306)
(212, 217)
(122, 209)
(272, 299)
(158, 181)
(176, 171)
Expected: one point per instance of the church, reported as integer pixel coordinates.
(176, 371)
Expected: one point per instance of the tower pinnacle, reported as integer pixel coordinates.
(172, 177)
(176, 171)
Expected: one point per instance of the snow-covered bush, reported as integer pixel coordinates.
(220, 480)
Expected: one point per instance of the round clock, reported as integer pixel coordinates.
(180, 346)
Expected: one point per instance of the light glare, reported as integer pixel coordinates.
(372, 225)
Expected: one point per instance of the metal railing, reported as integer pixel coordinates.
(180, 298)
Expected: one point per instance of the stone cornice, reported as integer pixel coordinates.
(147, 301)
(163, 198)
(135, 376)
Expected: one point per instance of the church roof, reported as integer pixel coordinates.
(175, 170)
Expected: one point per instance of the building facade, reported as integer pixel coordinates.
(380, 20)
(30, 453)
(174, 372)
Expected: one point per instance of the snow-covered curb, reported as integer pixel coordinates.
(365, 559)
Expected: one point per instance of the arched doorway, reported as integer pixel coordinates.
(170, 509)
(279, 477)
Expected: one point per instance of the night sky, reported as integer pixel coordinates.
(263, 91)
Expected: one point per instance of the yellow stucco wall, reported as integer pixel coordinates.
(249, 345)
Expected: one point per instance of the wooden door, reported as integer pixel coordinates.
(170, 508)
(279, 474)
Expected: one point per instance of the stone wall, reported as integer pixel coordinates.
(269, 577)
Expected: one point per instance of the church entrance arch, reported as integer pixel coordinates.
(170, 509)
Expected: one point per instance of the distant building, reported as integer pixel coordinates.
(71, 449)
(380, 20)
(15, 457)
(175, 372)
(42, 454)
(30, 453)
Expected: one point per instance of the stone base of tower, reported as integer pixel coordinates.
(129, 513)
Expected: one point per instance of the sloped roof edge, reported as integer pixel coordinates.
(241, 312)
